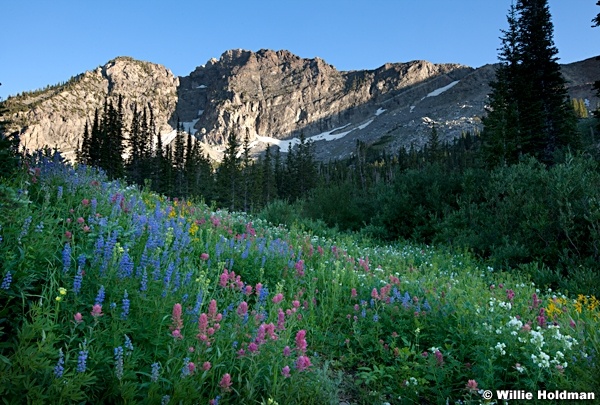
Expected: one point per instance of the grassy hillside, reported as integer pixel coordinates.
(111, 294)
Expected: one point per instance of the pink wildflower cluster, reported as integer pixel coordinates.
(299, 266)
(383, 294)
(225, 382)
(536, 301)
(228, 279)
(439, 357)
(177, 322)
(472, 385)
(302, 363)
(364, 263)
(242, 309)
(541, 318)
(97, 311)
(250, 230)
(301, 341)
(208, 324)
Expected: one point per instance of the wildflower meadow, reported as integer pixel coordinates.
(113, 294)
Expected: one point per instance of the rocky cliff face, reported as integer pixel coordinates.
(273, 96)
(57, 116)
(278, 95)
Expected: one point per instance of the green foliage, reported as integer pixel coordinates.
(377, 323)
(526, 213)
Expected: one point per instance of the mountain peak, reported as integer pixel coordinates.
(274, 95)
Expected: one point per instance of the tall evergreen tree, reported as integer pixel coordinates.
(83, 155)
(9, 145)
(269, 186)
(95, 141)
(135, 158)
(530, 113)
(548, 122)
(228, 174)
(246, 172)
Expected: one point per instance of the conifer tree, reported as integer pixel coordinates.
(246, 172)
(530, 112)
(134, 143)
(83, 155)
(269, 186)
(228, 174)
(95, 141)
(9, 145)
(305, 167)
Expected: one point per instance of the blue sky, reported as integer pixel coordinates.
(46, 42)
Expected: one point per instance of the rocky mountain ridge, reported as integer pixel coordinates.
(273, 96)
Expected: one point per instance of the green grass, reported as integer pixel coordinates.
(400, 324)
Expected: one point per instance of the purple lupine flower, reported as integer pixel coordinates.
(125, 266)
(59, 193)
(119, 362)
(196, 310)
(128, 344)
(81, 261)
(156, 272)
(144, 282)
(66, 257)
(155, 372)
(165, 400)
(25, 228)
(406, 300)
(59, 369)
(185, 370)
(177, 281)
(375, 318)
(100, 296)
(77, 281)
(188, 277)
(125, 306)
(94, 204)
(264, 292)
(81, 361)
(6, 281)
(98, 248)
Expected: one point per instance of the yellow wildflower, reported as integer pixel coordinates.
(579, 303)
(552, 309)
(58, 298)
(62, 291)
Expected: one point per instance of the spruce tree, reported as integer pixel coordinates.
(269, 187)
(547, 121)
(530, 113)
(135, 153)
(246, 172)
(95, 141)
(83, 155)
(228, 174)
(9, 145)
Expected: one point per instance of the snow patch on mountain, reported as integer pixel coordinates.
(439, 91)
